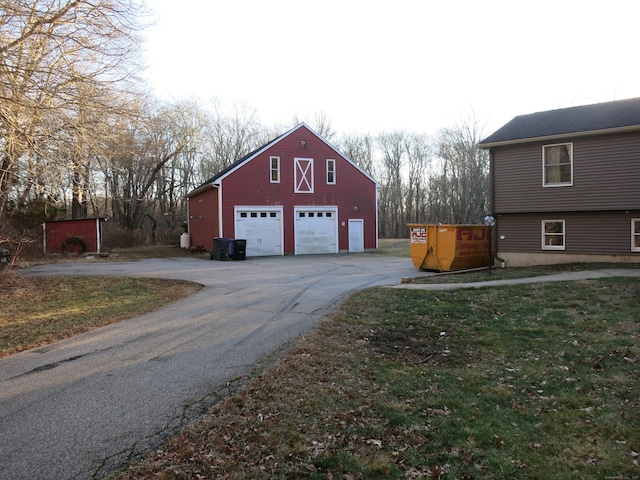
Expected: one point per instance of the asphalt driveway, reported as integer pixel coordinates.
(80, 408)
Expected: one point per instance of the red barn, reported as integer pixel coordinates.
(295, 195)
(73, 236)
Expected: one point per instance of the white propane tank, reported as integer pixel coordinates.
(185, 240)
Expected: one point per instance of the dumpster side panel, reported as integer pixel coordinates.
(418, 244)
(471, 247)
(448, 247)
(444, 247)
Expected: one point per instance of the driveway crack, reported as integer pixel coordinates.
(49, 366)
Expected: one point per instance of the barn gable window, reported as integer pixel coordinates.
(557, 165)
(635, 234)
(331, 171)
(275, 169)
(303, 175)
(553, 235)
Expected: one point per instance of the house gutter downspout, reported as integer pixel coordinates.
(220, 232)
(188, 230)
(503, 263)
(377, 214)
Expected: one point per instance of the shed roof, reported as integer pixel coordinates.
(607, 117)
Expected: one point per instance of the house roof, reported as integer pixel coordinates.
(607, 117)
(213, 181)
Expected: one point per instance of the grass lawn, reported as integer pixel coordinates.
(394, 247)
(483, 274)
(532, 381)
(519, 382)
(36, 311)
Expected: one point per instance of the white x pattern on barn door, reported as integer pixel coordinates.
(303, 177)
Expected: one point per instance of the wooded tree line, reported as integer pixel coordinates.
(79, 136)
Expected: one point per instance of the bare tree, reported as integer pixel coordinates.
(418, 151)
(360, 149)
(391, 202)
(230, 135)
(320, 122)
(57, 58)
(186, 134)
(460, 193)
(135, 159)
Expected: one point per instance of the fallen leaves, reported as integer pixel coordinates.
(355, 399)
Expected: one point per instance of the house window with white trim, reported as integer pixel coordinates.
(331, 171)
(635, 234)
(557, 165)
(275, 169)
(553, 234)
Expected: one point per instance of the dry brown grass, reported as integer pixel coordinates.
(522, 382)
(35, 311)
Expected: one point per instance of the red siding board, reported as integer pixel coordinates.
(57, 232)
(203, 218)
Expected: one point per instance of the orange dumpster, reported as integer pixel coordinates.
(449, 247)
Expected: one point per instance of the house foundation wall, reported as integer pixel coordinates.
(518, 259)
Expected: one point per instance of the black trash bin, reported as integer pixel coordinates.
(239, 249)
(220, 249)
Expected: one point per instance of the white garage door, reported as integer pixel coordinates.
(316, 230)
(261, 228)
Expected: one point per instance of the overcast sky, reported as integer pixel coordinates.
(374, 66)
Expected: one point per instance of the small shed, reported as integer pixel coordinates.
(73, 236)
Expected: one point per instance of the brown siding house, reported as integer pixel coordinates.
(566, 185)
